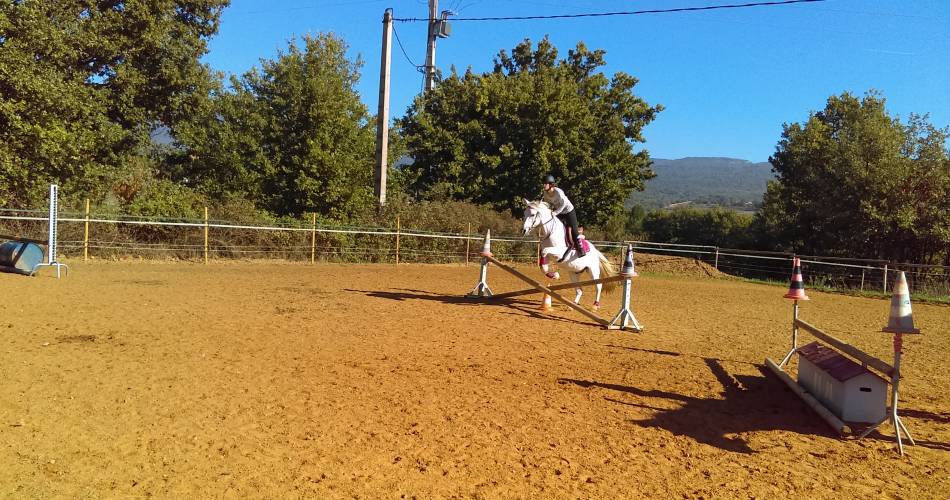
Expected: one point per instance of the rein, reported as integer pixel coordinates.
(544, 226)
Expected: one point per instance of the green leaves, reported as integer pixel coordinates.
(854, 181)
(489, 138)
(293, 135)
(83, 84)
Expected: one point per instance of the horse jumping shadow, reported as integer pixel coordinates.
(749, 403)
(521, 305)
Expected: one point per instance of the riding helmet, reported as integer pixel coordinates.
(548, 179)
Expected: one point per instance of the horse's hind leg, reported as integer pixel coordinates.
(594, 274)
(577, 291)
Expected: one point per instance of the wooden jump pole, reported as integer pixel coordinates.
(848, 349)
(840, 427)
(548, 291)
(562, 286)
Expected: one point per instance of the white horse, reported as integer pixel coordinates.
(553, 244)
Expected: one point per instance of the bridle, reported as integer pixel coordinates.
(543, 225)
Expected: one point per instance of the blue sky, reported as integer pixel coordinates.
(729, 78)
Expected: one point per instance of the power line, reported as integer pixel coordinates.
(398, 41)
(623, 13)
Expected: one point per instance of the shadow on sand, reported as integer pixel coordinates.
(524, 307)
(748, 403)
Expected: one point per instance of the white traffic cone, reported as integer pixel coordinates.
(486, 247)
(546, 303)
(901, 319)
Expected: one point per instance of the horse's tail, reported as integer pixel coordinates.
(607, 270)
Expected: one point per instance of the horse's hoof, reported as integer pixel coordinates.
(553, 275)
(596, 306)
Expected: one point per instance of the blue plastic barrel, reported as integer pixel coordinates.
(20, 257)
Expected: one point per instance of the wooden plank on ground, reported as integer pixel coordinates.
(562, 286)
(810, 400)
(848, 349)
(539, 286)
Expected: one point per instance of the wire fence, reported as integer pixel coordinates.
(116, 236)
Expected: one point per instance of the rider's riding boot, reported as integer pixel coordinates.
(566, 252)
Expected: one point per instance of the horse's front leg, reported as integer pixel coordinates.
(545, 268)
(599, 287)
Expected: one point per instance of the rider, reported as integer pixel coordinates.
(564, 210)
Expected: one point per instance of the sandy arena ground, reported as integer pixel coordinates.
(291, 380)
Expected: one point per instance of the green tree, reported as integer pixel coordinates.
(716, 227)
(489, 138)
(293, 135)
(83, 84)
(854, 181)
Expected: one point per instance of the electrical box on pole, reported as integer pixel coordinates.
(431, 36)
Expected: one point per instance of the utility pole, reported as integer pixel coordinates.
(430, 46)
(382, 116)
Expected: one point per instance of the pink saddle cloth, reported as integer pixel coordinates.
(570, 243)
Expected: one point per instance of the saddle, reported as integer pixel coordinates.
(570, 241)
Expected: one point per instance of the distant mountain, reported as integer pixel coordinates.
(705, 182)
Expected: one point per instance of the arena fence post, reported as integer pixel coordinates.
(85, 235)
(398, 227)
(206, 235)
(468, 242)
(885, 278)
(313, 238)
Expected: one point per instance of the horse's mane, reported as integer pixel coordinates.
(540, 204)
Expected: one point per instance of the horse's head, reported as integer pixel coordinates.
(536, 213)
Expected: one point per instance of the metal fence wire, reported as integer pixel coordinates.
(121, 236)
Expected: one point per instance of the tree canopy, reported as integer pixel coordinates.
(489, 138)
(293, 136)
(83, 84)
(854, 181)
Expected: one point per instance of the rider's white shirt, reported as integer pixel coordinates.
(557, 200)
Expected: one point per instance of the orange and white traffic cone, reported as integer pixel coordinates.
(546, 303)
(486, 247)
(901, 318)
(796, 289)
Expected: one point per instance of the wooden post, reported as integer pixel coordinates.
(885, 278)
(397, 240)
(382, 115)
(85, 236)
(862, 279)
(206, 235)
(468, 242)
(716, 263)
(313, 239)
